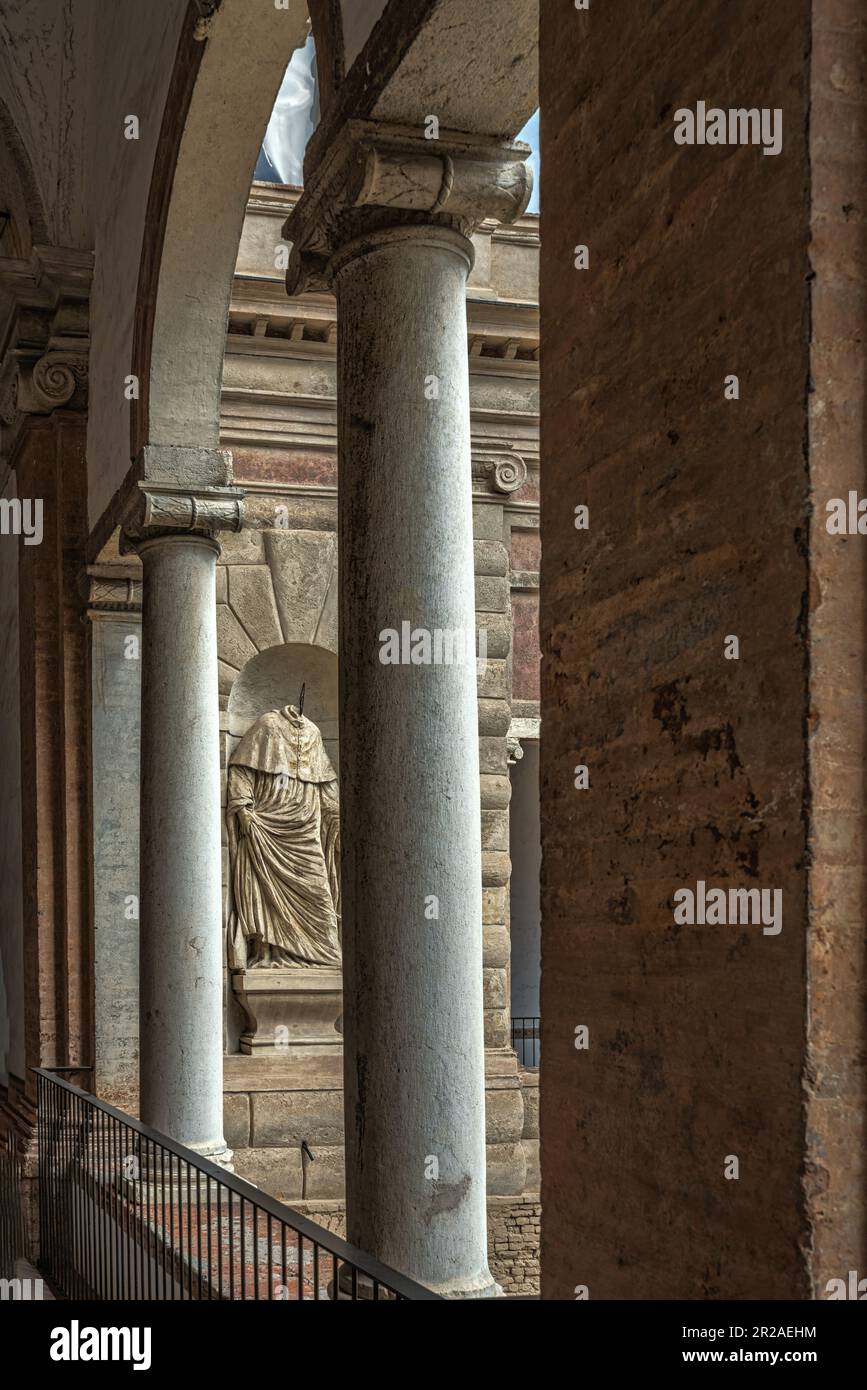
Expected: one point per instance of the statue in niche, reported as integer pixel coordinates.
(282, 815)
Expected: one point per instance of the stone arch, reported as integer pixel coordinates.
(227, 73)
(288, 597)
(23, 201)
(229, 65)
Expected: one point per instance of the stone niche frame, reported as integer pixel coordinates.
(276, 629)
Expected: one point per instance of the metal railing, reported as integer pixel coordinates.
(127, 1213)
(13, 1244)
(526, 1040)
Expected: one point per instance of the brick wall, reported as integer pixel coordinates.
(699, 529)
(513, 1237)
(513, 1243)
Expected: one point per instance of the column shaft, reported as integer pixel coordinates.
(414, 1053)
(181, 1044)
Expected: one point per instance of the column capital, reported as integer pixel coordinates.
(159, 512)
(378, 176)
(112, 592)
(45, 334)
(57, 379)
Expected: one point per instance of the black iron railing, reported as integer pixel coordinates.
(526, 1040)
(127, 1213)
(13, 1245)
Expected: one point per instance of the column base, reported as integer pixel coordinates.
(168, 1181)
(219, 1154)
(216, 1153)
(485, 1287)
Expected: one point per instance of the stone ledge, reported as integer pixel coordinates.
(277, 1073)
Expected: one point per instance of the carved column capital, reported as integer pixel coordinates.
(504, 471)
(378, 176)
(158, 512)
(57, 379)
(44, 359)
(111, 592)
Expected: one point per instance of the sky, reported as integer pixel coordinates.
(296, 112)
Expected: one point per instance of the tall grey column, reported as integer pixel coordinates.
(410, 819)
(181, 950)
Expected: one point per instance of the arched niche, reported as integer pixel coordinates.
(273, 678)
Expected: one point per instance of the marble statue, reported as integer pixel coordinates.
(282, 815)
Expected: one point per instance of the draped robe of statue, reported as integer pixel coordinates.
(282, 816)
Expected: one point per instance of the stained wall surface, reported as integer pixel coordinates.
(836, 1161)
(698, 531)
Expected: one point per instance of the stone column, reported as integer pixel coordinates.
(386, 223)
(181, 957)
(114, 615)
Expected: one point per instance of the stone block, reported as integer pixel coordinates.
(283, 1071)
(236, 1120)
(492, 594)
(495, 830)
(530, 1086)
(496, 868)
(506, 1169)
(487, 521)
(494, 680)
(533, 1178)
(242, 547)
(493, 756)
(491, 558)
(276, 1171)
(494, 635)
(226, 677)
(301, 564)
(496, 793)
(325, 1175)
(495, 716)
(251, 599)
(233, 644)
(285, 1118)
(500, 1062)
(494, 906)
(495, 946)
(266, 511)
(494, 987)
(326, 633)
(497, 1027)
(182, 465)
(504, 1114)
